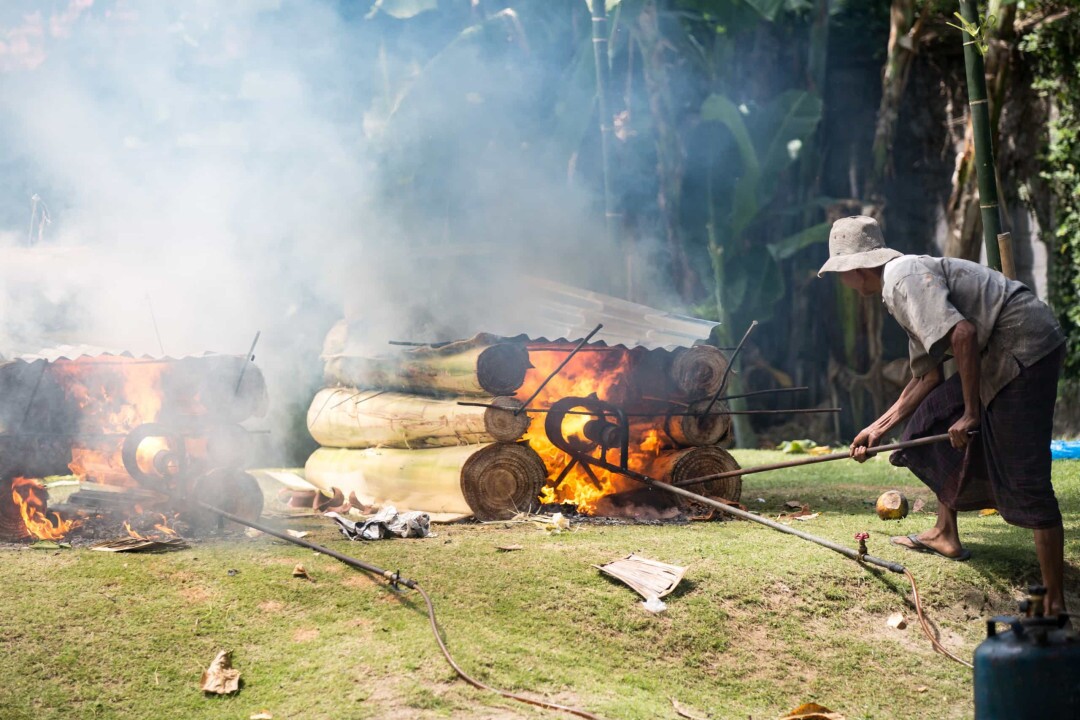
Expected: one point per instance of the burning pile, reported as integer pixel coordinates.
(443, 428)
(137, 433)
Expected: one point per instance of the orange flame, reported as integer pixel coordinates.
(30, 496)
(606, 372)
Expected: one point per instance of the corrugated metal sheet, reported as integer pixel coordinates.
(74, 352)
(569, 313)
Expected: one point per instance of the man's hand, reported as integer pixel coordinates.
(958, 433)
(868, 438)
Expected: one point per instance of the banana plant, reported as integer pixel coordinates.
(766, 141)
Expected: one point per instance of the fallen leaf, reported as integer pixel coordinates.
(262, 715)
(987, 512)
(221, 678)
(508, 548)
(297, 533)
(44, 545)
(897, 620)
(921, 689)
(686, 712)
(252, 532)
(918, 505)
(812, 711)
(300, 572)
(794, 505)
(804, 518)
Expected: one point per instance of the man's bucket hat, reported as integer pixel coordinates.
(856, 242)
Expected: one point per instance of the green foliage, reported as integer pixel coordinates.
(976, 31)
(1055, 49)
(768, 141)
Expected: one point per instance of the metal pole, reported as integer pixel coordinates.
(812, 460)
(984, 143)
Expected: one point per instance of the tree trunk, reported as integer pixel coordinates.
(698, 371)
(694, 430)
(351, 418)
(503, 480)
(670, 152)
(427, 480)
(674, 467)
(477, 367)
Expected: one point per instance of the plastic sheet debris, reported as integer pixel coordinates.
(1065, 449)
(388, 522)
(654, 605)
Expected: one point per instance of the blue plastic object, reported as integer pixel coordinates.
(1065, 449)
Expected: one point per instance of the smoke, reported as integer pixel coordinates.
(204, 170)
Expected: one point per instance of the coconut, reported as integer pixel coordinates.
(892, 505)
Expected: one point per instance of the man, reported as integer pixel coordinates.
(1008, 349)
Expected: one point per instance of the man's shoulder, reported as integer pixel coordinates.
(907, 265)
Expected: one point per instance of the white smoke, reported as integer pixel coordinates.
(221, 168)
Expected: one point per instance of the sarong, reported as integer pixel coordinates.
(1007, 465)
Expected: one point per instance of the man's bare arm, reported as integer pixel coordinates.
(912, 396)
(965, 348)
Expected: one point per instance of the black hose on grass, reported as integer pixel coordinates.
(395, 579)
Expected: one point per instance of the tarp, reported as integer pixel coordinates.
(1065, 449)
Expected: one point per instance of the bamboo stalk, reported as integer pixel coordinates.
(984, 144)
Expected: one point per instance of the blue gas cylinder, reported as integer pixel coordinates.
(1031, 670)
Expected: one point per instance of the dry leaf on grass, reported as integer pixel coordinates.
(918, 505)
(987, 512)
(221, 678)
(812, 711)
(300, 572)
(262, 715)
(686, 712)
(509, 548)
(298, 533)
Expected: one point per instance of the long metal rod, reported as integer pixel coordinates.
(548, 379)
(393, 577)
(730, 365)
(250, 357)
(771, 391)
(796, 411)
(818, 459)
(722, 507)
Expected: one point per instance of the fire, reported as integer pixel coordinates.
(162, 527)
(30, 496)
(113, 393)
(605, 372)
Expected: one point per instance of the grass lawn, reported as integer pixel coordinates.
(761, 623)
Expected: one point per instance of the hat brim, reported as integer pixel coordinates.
(855, 261)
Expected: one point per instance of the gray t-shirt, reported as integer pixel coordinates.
(928, 296)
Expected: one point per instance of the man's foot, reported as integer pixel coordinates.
(932, 542)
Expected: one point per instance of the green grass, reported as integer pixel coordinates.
(761, 623)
